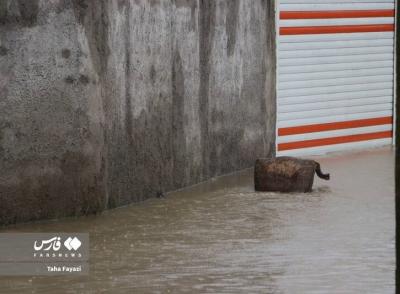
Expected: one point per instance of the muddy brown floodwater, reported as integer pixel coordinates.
(222, 237)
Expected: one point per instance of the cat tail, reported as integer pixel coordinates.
(320, 173)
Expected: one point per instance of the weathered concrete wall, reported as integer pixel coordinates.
(103, 103)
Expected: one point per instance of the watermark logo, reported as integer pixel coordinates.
(44, 253)
(72, 243)
(53, 243)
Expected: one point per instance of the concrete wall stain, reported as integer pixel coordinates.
(153, 74)
(29, 10)
(84, 79)
(178, 116)
(66, 53)
(26, 14)
(232, 15)
(128, 69)
(192, 4)
(93, 16)
(3, 11)
(269, 72)
(207, 15)
(120, 141)
(3, 51)
(154, 2)
(69, 79)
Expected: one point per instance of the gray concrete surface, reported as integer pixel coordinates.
(103, 103)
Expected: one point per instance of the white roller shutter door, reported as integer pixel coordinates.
(335, 75)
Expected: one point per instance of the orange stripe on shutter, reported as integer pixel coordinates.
(335, 126)
(336, 14)
(334, 140)
(336, 29)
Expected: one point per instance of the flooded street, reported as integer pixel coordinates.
(222, 237)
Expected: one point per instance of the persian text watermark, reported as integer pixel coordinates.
(44, 254)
